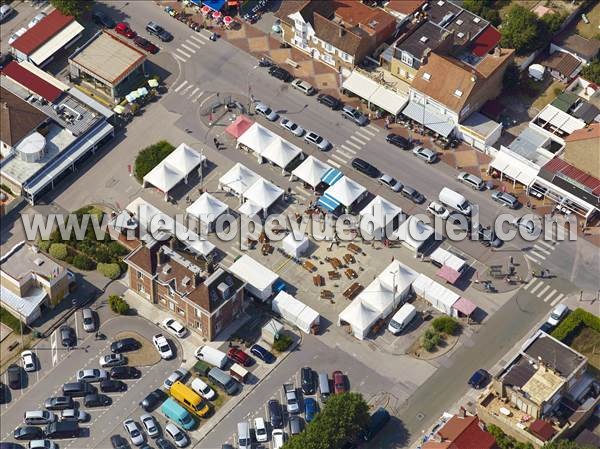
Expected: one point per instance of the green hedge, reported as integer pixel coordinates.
(150, 157)
(109, 270)
(570, 326)
(58, 251)
(83, 262)
(282, 343)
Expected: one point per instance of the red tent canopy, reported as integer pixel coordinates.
(239, 126)
(448, 274)
(464, 306)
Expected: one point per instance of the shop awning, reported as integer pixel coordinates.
(56, 43)
(448, 274)
(328, 202)
(388, 100)
(332, 176)
(360, 85)
(428, 117)
(464, 306)
(514, 168)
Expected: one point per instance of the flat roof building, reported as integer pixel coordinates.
(109, 65)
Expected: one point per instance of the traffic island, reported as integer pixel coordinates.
(145, 356)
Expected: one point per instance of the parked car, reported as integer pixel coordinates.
(506, 199)
(475, 182)
(92, 375)
(426, 154)
(310, 409)
(59, 403)
(158, 31)
(176, 375)
(377, 421)
(266, 112)
(479, 378)
(244, 440)
(88, 319)
(438, 210)
(125, 372)
(353, 114)
(291, 398)
(390, 182)
(412, 194)
(112, 386)
(72, 414)
(278, 436)
(180, 438)
(365, 168)
(261, 353)
(275, 414)
(399, 141)
(546, 327)
(315, 139)
(150, 425)
(42, 444)
(68, 337)
(239, 356)
(307, 380)
(123, 29)
(557, 314)
(13, 373)
(106, 361)
(260, 430)
(28, 433)
(488, 237)
(280, 74)
(163, 443)
(203, 389)
(38, 417)
(118, 442)
(103, 20)
(329, 101)
(96, 400)
(162, 346)
(145, 44)
(37, 19)
(339, 382)
(150, 402)
(175, 327)
(524, 223)
(28, 360)
(5, 12)
(305, 87)
(133, 430)
(125, 345)
(292, 127)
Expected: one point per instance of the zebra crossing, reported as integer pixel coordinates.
(190, 47)
(345, 152)
(544, 291)
(189, 90)
(542, 249)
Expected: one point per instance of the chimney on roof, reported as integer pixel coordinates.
(497, 51)
(426, 54)
(462, 412)
(197, 280)
(172, 243)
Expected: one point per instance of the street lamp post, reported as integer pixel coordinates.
(20, 309)
(250, 87)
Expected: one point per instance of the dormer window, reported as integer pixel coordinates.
(459, 22)
(458, 93)
(460, 35)
(424, 39)
(426, 76)
(407, 59)
(477, 19)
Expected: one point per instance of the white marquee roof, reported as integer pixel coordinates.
(207, 208)
(263, 193)
(164, 177)
(382, 211)
(311, 171)
(174, 168)
(238, 179)
(185, 158)
(249, 209)
(360, 317)
(257, 138)
(413, 232)
(281, 152)
(378, 296)
(398, 275)
(346, 191)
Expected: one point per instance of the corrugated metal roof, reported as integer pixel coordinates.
(41, 33)
(32, 82)
(562, 168)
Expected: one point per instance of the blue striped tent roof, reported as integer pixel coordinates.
(332, 176)
(328, 202)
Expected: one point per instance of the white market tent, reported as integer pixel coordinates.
(259, 279)
(148, 216)
(238, 179)
(293, 246)
(376, 215)
(257, 138)
(445, 258)
(436, 294)
(207, 209)
(263, 193)
(360, 317)
(280, 152)
(185, 158)
(249, 209)
(413, 233)
(379, 297)
(346, 191)
(295, 312)
(164, 177)
(311, 171)
(399, 276)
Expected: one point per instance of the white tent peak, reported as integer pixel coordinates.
(239, 178)
(258, 138)
(263, 193)
(346, 191)
(311, 171)
(281, 152)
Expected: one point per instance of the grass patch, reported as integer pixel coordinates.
(587, 342)
(590, 30)
(548, 95)
(12, 321)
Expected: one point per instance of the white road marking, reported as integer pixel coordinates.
(547, 245)
(335, 156)
(186, 89)
(373, 127)
(367, 137)
(542, 291)
(195, 37)
(176, 56)
(195, 44)
(539, 248)
(358, 140)
(178, 88)
(537, 255)
(530, 283)
(54, 347)
(534, 289)
(349, 150)
(198, 96)
(193, 92)
(182, 52)
(358, 147)
(532, 258)
(188, 48)
(557, 300)
(335, 164)
(344, 153)
(550, 295)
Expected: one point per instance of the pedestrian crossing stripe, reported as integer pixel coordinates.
(195, 37)
(534, 289)
(358, 147)
(557, 300)
(373, 127)
(532, 258)
(537, 255)
(195, 44)
(359, 133)
(176, 56)
(530, 283)
(178, 88)
(335, 156)
(550, 295)
(198, 96)
(539, 248)
(335, 164)
(358, 140)
(542, 291)
(183, 92)
(349, 150)
(343, 153)
(301, 192)
(182, 52)
(547, 245)
(194, 91)
(188, 48)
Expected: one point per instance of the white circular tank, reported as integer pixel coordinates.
(31, 148)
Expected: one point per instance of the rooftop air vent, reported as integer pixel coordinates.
(460, 35)
(459, 22)
(39, 262)
(224, 290)
(166, 269)
(477, 19)
(426, 76)
(424, 39)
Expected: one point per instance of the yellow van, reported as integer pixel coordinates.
(191, 400)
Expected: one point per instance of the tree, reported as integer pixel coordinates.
(58, 251)
(118, 305)
(521, 30)
(565, 444)
(109, 270)
(446, 324)
(591, 72)
(553, 22)
(512, 77)
(75, 8)
(150, 157)
(488, 9)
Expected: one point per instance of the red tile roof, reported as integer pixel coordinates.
(486, 41)
(561, 166)
(45, 30)
(542, 429)
(406, 7)
(591, 132)
(31, 81)
(464, 433)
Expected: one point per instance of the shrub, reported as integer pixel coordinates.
(446, 324)
(150, 157)
(118, 305)
(109, 270)
(428, 345)
(44, 245)
(282, 343)
(430, 339)
(58, 251)
(83, 262)
(573, 322)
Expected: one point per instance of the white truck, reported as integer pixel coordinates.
(455, 200)
(291, 399)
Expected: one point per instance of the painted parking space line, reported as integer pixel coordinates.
(542, 291)
(54, 347)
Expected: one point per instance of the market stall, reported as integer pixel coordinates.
(263, 193)
(206, 209)
(360, 317)
(346, 192)
(239, 126)
(258, 278)
(281, 153)
(295, 247)
(296, 312)
(413, 233)
(310, 171)
(238, 179)
(379, 218)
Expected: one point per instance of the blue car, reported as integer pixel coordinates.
(259, 352)
(310, 409)
(479, 378)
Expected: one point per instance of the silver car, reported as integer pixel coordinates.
(180, 438)
(72, 414)
(266, 112)
(392, 183)
(506, 199)
(92, 375)
(426, 154)
(314, 139)
(133, 430)
(89, 323)
(292, 127)
(176, 375)
(150, 425)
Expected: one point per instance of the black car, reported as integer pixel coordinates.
(103, 20)
(479, 378)
(546, 327)
(275, 414)
(7, 445)
(28, 433)
(125, 345)
(366, 168)
(14, 376)
(96, 400)
(280, 74)
(68, 337)
(399, 141)
(118, 442)
(4, 394)
(151, 401)
(307, 380)
(158, 31)
(112, 386)
(162, 443)
(330, 101)
(125, 372)
(59, 403)
(261, 353)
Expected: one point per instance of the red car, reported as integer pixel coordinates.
(339, 382)
(239, 356)
(123, 29)
(146, 45)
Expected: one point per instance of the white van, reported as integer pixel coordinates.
(402, 318)
(211, 355)
(203, 389)
(455, 201)
(244, 440)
